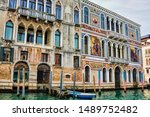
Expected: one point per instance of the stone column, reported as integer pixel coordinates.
(36, 8)
(44, 5)
(107, 75)
(27, 3)
(123, 28)
(119, 26)
(129, 54)
(115, 25)
(131, 76)
(43, 39)
(101, 48)
(127, 77)
(35, 37)
(25, 37)
(110, 24)
(125, 52)
(106, 48)
(113, 75)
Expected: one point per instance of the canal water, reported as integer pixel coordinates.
(105, 95)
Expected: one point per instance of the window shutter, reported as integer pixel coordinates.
(12, 55)
(1, 53)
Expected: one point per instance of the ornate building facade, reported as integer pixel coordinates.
(70, 36)
(146, 56)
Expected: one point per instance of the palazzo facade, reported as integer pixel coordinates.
(79, 36)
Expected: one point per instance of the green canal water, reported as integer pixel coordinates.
(105, 95)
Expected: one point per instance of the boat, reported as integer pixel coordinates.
(86, 95)
(82, 95)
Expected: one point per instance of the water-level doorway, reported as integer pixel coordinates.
(117, 77)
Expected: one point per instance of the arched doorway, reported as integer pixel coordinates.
(18, 69)
(117, 77)
(110, 75)
(43, 74)
(87, 74)
(135, 84)
(104, 75)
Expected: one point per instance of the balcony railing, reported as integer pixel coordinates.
(36, 14)
(118, 36)
(118, 60)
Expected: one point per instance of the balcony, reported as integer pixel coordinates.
(118, 60)
(36, 14)
(117, 36)
(6, 42)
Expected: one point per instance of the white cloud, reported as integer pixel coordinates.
(136, 10)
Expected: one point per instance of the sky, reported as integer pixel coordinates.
(135, 10)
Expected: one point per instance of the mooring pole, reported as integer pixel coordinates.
(83, 83)
(23, 86)
(50, 83)
(61, 83)
(142, 75)
(74, 84)
(99, 81)
(18, 83)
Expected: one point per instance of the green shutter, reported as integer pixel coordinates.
(1, 53)
(12, 55)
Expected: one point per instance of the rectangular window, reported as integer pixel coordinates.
(23, 3)
(32, 4)
(58, 12)
(44, 57)
(40, 6)
(12, 4)
(24, 55)
(58, 59)
(76, 61)
(76, 16)
(6, 54)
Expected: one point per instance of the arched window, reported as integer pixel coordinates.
(117, 27)
(114, 50)
(30, 35)
(103, 48)
(126, 30)
(76, 41)
(39, 37)
(9, 30)
(23, 3)
(102, 21)
(58, 10)
(21, 34)
(12, 4)
(86, 15)
(32, 4)
(76, 16)
(129, 76)
(112, 25)
(48, 6)
(110, 75)
(41, 5)
(57, 38)
(109, 49)
(108, 24)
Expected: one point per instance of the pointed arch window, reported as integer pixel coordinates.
(39, 37)
(12, 4)
(76, 41)
(9, 30)
(86, 15)
(23, 3)
(76, 16)
(48, 6)
(57, 38)
(30, 35)
(21, 34)
(102, 21)
(58, 10)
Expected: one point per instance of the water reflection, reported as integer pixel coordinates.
(105, 95)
